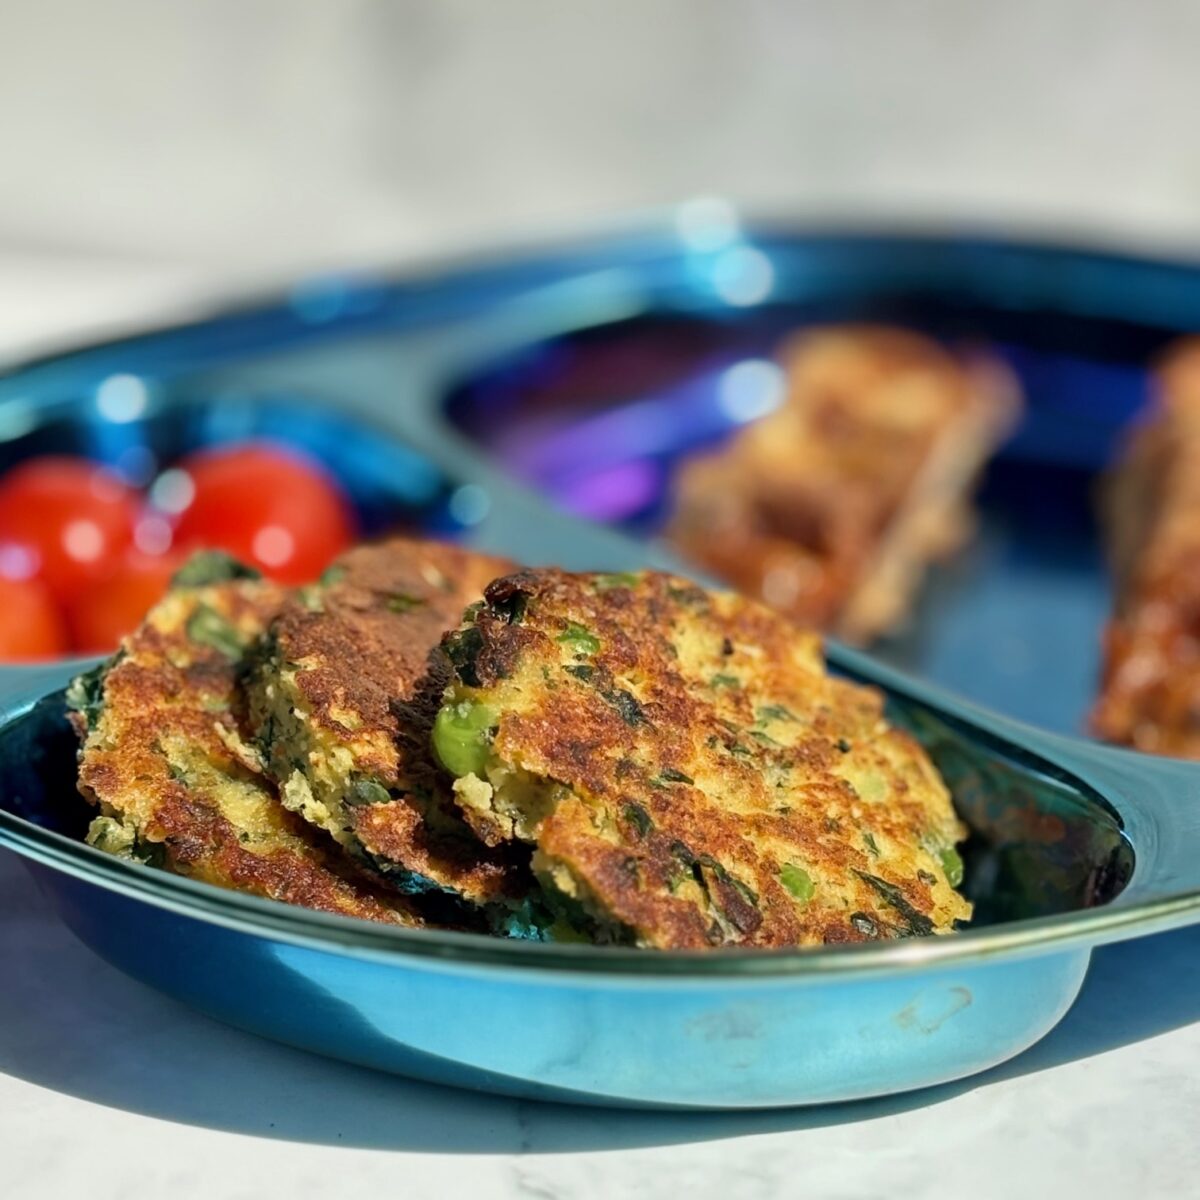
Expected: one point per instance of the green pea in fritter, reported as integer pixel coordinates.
(343, 700)
(687, 770)
(164, 755)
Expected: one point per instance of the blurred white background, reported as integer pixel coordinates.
(151, 151)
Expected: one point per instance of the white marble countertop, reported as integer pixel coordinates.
(110, 1091)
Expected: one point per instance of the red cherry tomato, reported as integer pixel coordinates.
(30, 625)
(267, 506)
(115, 605)
(63, 520)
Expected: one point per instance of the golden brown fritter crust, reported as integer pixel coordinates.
(831, 508)
(165, 760)
(344, 701)
(689, 773)
(1150, 691)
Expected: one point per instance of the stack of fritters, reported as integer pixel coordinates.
(166, 756)
(615, 758)
(1150, 694)
(279, 742)
(831, 508)
(688, 772)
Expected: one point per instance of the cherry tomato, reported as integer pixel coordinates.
(268, 506)
(115, 605)
(30, 625)
(63, 520)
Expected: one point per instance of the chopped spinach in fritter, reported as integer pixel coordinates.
(209, 567)
(700, 779)
(345, 711)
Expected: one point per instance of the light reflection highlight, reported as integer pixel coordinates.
(122, 398)
(469, 504)
(742, 276)
(751, 389)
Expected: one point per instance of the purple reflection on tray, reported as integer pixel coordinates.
(613, 463)
(617, 493)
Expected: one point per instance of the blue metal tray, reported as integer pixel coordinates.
(505, 400)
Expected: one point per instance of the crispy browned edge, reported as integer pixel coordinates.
(846, 549)
(153, 695)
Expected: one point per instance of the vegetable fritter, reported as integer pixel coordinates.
(689, 773)
(165, 757)
(344, 699)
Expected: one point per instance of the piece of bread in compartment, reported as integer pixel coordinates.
(832, 507)
(1149, 694)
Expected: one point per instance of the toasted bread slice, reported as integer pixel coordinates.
(832, 507)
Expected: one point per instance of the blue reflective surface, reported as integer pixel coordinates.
(582, 1040)
(358, 371)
